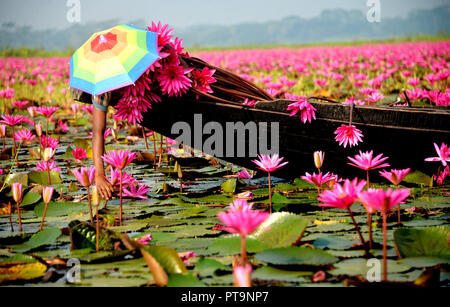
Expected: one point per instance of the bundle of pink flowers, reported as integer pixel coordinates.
(166, 77)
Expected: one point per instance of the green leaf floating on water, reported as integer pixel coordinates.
(44, 237)
(296, 256)
(17, 177)
(25, 271)
(184, 280)
(432, 242)
(359, 266)
(30, 198)
(419, 178)
(167, 258)
(62, 209)
(270, 273)
(208, 267)
(281, 229)
(231, 245)
(229, 186)
(42, 177)
(333, 242)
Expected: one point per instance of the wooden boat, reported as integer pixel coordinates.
(404, 134)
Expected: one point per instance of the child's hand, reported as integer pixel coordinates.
(104, 187)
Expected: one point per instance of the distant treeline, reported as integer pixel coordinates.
(34, 52)
(39, 52)
(336, 25)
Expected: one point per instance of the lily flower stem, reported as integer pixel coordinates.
(357, 229)
(43, 217)
(120, 213)
(145, 138)
(90, 205)
(154, 149)
(398, 211)
(48, 175)
(10, 216)
(384, 246)
(46, 134)
(369, 223)
(368, 181)
(20, 218)
(270, 193)
(14, 141)
(160, 150)
(243, 251)
(97, 243)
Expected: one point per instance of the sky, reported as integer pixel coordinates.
(48, 14)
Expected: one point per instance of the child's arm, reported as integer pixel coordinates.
(98, 147)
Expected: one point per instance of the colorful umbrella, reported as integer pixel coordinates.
(113, 59)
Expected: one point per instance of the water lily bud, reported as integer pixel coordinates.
(319, 156)
(17, 192)
(114, 134)
(39, 129)
(242, 276)
(32, 111)
(75, 107)
(47, 194)
(48, 154)
(95, 196)
(2, 130)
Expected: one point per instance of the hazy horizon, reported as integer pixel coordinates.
(51, 14)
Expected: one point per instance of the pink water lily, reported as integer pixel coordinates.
(384, 201)
(443, 154)
(241, 205)
(366, 161)
(307, 111)
(348, 135)
(270, 164)
(79, 154)
(119, 159)
(47, 111)
(127, 179)
(24, 135)
(317, 179)
(242, 222)
(85, 175)
(139, 192)
(12, 120)
(342, 196)
(395, 176)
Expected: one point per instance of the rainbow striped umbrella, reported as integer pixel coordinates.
(113, 59)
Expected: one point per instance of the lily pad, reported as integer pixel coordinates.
(281, 229)
(231, 245)
(167, 258)
(44, 237)
(333, 242)
(207, 267)
(432, 241)
(184, 280)
(296, 256)
(27, 271)
(30, 198)
(358, 266)
(42, 177)
(269, 273)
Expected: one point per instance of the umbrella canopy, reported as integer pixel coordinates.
(113, 59)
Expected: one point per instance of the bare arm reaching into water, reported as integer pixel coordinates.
(98, 148)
